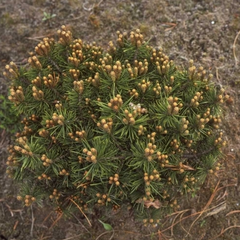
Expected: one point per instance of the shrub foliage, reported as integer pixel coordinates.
(106, 128)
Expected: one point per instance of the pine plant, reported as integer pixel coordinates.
(103, 128)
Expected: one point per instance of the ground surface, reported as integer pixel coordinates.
(206, 31)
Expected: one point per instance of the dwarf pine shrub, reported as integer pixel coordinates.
(107, 128)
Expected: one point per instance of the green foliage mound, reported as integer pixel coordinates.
(9, 120)
(107, 128)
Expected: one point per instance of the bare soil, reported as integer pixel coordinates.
(205, 31)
